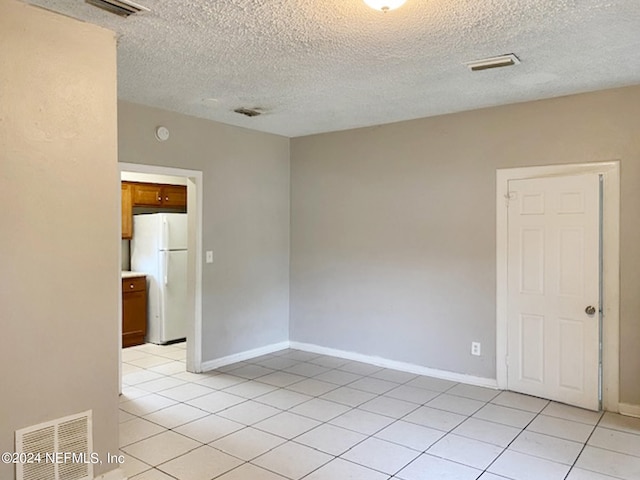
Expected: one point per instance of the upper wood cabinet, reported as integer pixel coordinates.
(147, 194)
(150, 195)
(174, 196)
(127, 210)
(158, 195)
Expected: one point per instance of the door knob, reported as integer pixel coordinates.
(590, 310)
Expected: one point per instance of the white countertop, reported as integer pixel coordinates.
(126, 274)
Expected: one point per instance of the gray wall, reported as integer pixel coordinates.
(393, 227)
(59, 217)
(245, 292)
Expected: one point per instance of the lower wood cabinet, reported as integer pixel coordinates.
(134, 310)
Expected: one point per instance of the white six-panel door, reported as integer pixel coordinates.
(553, 276)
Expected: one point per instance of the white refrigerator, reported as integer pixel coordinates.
(159, 249)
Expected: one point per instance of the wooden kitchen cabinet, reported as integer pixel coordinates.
(147, 194)
(158, 195)
(134, 310)
(174, 196)
(127, 210)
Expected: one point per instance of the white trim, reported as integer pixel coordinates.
(611, 258)
(194, 328)
(119, 282)
(378, 361)
(629, 410)
(402, 366)
(117, 474)
(242, 356)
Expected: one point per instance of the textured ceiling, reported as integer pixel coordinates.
(322, 65)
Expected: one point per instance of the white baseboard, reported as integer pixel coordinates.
(117, 474)
(241, 356)
(378, 361)
(629, 409)
(402, 366)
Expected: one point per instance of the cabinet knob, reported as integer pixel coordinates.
(131, 285)
(166, 198)
(159, 199)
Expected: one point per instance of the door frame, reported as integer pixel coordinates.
(194, 263)
(610, 172)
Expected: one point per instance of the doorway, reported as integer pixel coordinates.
(193, 181)
(512, 350)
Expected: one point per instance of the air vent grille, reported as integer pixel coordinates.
(124, 8)
(493, 62)
(59, 450)
(249, 112)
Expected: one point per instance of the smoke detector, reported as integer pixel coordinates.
(124, 8)
(493, 62)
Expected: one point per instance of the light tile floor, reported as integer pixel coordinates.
(297, 415)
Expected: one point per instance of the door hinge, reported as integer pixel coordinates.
(509, 196)
(506, 360)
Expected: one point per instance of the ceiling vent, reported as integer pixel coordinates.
(249, 112)
(124, 8)
(493, 62)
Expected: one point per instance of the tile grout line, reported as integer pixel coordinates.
(584, 446)
(523, 429)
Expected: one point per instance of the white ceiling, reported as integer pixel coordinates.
(323, 65)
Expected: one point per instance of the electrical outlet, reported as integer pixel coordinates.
(475, 348)
(209, 257)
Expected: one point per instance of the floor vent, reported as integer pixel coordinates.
(56, 450)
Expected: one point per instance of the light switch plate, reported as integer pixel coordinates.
(209, 256)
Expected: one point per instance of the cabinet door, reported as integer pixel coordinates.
(174, 196)
(127, 211)
(147, 195)
(134, 311)
(134, 318)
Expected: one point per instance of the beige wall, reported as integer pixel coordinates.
(393, 227)
(59, 241)
(245, 291)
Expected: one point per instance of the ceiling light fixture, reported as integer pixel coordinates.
(384, 5)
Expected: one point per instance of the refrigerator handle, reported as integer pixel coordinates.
(160, 307)
(166, 267)
(165, 233)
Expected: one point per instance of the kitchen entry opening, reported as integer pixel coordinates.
(161, 270)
